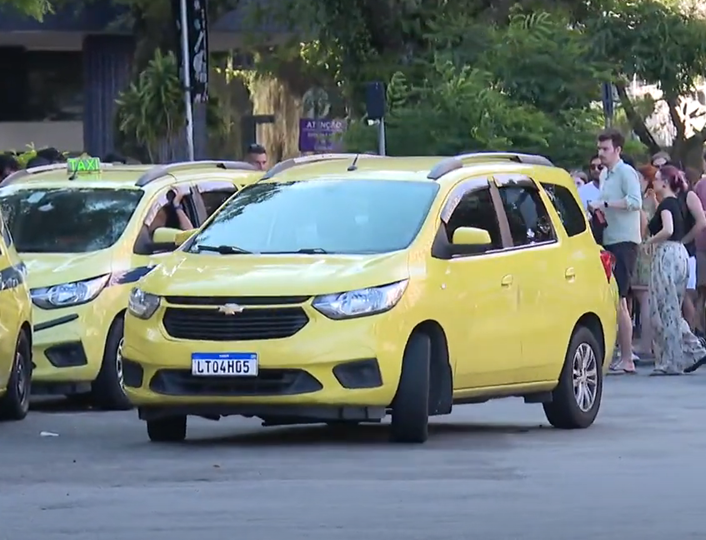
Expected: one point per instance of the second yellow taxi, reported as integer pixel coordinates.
(87, 232)
(344, 288)
(15, 331)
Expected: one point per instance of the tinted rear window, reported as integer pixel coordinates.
(572, 217)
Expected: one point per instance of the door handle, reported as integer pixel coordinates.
(506, 281)
(570, 273)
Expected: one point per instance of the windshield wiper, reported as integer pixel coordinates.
(305, 251)
(223, 250)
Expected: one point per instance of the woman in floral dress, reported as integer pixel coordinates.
(641, 278)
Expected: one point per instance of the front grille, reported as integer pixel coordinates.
(251, 324)
(269, 382)
(240, 300)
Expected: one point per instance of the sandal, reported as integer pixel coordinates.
(696, 365)
(659, 372)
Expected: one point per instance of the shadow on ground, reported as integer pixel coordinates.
(365, 434)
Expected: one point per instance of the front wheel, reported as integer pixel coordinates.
(108, 391)
(577, 397)
(15, 404)
(410, 408)
(169, 429)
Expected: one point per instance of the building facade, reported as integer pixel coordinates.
(59, 78)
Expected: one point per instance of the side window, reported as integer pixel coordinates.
(529, 221)
(572, 217)
(213, 200)
(476, 209)
(214, 193)
(161, 214)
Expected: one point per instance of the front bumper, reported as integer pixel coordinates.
(69, 343)
(327, 364)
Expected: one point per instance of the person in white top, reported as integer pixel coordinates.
(592, 189)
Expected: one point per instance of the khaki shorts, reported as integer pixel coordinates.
(701, 268)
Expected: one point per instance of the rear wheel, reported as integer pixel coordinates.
(15, 404)
(577, 397)
(169, 429)
(108, 391)
(410, 408)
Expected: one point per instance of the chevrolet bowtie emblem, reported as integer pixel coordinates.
(230, 309)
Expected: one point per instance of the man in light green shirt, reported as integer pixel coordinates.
(621, 202)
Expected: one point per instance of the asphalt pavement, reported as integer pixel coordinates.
(492, 471)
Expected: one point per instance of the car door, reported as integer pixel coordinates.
(482, 342)
(211, 194)
(538, 258)
(11, 277)
(579, 263)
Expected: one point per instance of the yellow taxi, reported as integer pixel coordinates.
(15, 332)
(87, 232)
(342, 288)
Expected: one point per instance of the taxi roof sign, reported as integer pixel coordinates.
(83, 165)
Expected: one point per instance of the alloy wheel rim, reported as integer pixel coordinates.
(22, 378)
(119, 362)
(585, 377)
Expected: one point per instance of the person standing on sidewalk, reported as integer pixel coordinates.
(621, 202)
(695, 222)
(700, 243)
(677, 347)
(257, 156)
(640, 281)
(591, 190)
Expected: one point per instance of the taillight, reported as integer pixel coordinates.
(608, 262)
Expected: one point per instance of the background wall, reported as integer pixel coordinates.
(65, 136)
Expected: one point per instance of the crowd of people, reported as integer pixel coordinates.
(651, 218)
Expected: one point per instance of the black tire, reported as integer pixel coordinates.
(107, 391)
(14, 405)
(169, 429)
(563, 411)
(410, 408)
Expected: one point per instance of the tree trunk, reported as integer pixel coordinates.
(270, 95)
(636, 121)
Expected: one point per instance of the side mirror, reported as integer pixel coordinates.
(470, 240)
(183, 236)
(168, 239)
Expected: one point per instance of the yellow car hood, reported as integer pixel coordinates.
(46, 269)
(273, 275)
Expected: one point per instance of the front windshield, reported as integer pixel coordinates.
(320, 216)
(67, 220)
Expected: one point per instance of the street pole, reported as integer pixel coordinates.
(381, 137)
(187, 82)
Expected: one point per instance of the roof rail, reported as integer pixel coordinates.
(159, 171)
(317, 158)
(34, 170)
(454, 163)
(528, 159)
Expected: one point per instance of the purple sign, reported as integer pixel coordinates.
(320, 135)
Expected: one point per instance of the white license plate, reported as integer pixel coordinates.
(224, 364)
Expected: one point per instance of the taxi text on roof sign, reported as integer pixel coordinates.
(83, 165)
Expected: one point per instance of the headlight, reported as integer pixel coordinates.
(141, 304)
(69, 294)
(362, 302)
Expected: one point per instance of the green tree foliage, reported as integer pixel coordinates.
(537, 56)
(500, 103)
(151, 110)
(661, 43)
(32, 8)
